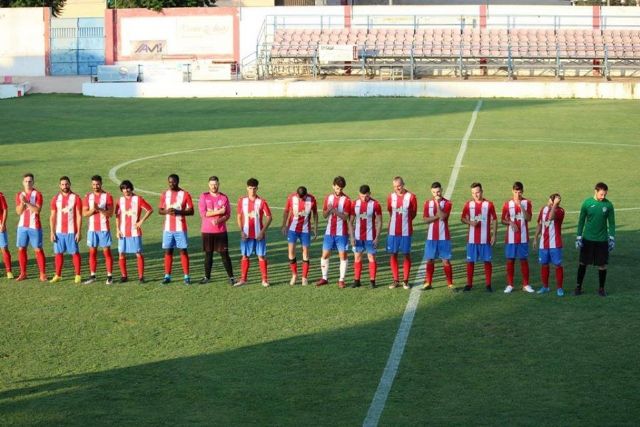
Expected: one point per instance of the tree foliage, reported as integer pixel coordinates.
(158, 4)
(55, 5)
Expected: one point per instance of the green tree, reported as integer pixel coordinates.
(55, 5)
(157, 4)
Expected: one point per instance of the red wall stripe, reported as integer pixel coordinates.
(596, 17)
(483, 15)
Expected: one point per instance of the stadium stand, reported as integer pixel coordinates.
(412, 53)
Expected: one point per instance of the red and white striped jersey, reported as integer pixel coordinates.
(129, 212)
(66, 208)
(3, 205)
(337, 226)
(402, 210)
(179, 200)
(516, 212)
(29, 219)
(484, 212)
(365, 213)
(99, 221)
(550, 232)
(300, 212)
(438, 229)
(252, 213)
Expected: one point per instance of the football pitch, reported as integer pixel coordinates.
(131, 354)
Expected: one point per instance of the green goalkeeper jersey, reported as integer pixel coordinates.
(597, 220)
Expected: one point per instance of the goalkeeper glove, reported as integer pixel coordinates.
(579, 242)
(612, 243)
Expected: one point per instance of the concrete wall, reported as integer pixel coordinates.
(293, 88)
(83, 9)
(231, 34)
(23, 45)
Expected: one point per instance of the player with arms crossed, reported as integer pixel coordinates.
(254, 218)
(596, 236)
(66, 226)
(215, 211)
(438, 244)
(480, 215)
(28, 207)
(129, 220)
(300, 222)
(549, 230)
(365, 224)
(175, 204)
(516, 214)
(402, 206)
(98, 207)
(335, 209)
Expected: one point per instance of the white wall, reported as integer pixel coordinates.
(293, 89)
(22, 42)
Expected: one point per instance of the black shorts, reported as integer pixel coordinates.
(215, 242)
(594, 253)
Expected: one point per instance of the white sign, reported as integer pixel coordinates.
(337, 53)
(196, 35)
(209, 71)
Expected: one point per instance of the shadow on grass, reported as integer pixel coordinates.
(327, 379)
(70, 117)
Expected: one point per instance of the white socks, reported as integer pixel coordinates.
(324, 268)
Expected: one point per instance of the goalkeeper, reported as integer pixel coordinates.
(596, 236)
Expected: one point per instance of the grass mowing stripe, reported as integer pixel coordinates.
(391, 368)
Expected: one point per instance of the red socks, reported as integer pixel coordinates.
(293, 265)
(108, 260)
(59, 261)
(524, 268)
(264, 270)
(393, 262)
(6, 257)
(510, 271)
(93, 260)
(357, 270)
(244, 268)
(488, 270)
(559, 275)
(430, 268)
(448, 273)
(544, 275)
(168, 263)
(77, 262)
(373, 269)
(470, 266)
(305, 268)
(41, 261)
(140, 259)
(122, 262)
(22, 261)
(184, 260)
(406, 268)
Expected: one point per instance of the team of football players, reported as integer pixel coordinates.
(351, 223)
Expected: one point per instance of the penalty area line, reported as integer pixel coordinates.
(393, 362)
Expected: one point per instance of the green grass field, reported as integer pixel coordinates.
(214, 355)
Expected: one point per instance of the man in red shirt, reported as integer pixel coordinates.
(176, 205)
(66, 226)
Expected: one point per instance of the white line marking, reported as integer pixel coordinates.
(551, 141)
(114, 170)
(391, 369)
